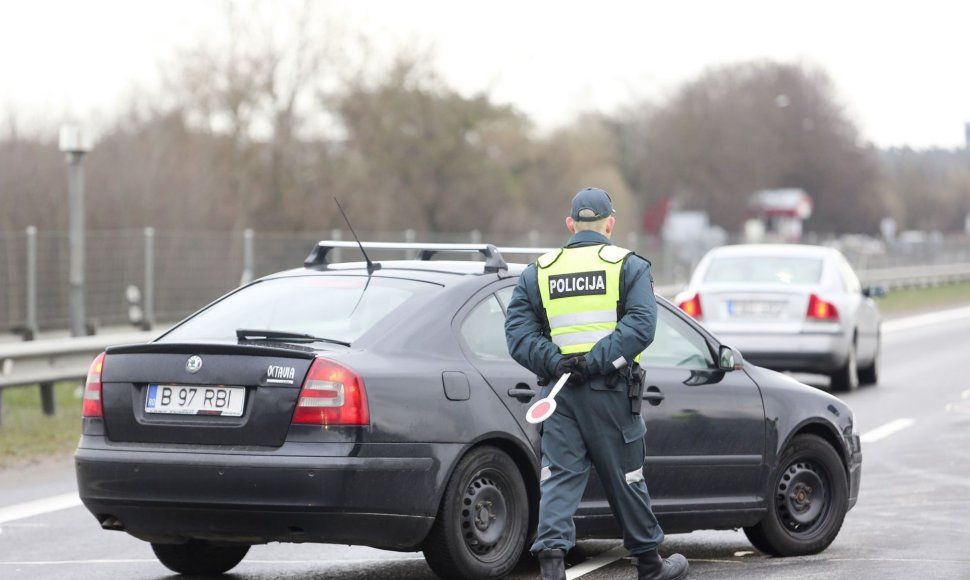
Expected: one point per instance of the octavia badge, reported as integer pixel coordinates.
(193, 364)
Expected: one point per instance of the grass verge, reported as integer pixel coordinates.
(912, 300)
(29, 436)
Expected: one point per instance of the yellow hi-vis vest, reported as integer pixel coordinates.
(580, 290)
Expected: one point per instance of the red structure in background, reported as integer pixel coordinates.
(780, 213)
(655, 216)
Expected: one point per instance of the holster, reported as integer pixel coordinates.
(633, 377)
(635, 380)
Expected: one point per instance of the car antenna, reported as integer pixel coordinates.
(371, 266)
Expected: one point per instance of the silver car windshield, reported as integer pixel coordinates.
(764, 269)
(338, 308)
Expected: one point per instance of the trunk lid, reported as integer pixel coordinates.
(203, 393)
(766, 309)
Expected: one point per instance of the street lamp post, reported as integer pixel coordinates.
(74, 143)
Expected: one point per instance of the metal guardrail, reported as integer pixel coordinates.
(916, 276)
(44, 362)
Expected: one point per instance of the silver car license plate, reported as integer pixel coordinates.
(755, 308)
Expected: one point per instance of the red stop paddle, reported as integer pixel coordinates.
(546, 406)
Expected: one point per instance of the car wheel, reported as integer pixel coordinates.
(482, 523)
(869, 375)
(809, 498)
(846, 378)
(198, 557)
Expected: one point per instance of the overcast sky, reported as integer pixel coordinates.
(901, 68)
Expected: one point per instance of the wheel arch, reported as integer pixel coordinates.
(827, 433)
(525, 461)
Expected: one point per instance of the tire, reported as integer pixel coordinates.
(846, 378)
(870, 375)
(200, 558)
(482, 524)
(809, 497)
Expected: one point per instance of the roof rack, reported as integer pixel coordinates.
(493, 258)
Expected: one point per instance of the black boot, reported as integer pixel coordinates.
(650, 566)
(552, 565)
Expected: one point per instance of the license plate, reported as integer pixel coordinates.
(195, 400)
(761, 308)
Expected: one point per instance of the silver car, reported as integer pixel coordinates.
(789, 307)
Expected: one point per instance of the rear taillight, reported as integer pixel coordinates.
(332, 394)
(92, 406)
(819, 309)
(693, 306)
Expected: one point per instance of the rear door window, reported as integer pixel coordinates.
(484, 330)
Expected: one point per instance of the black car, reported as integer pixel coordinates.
(376, 404)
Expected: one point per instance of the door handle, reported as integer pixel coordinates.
(653, 395)
(522, 393)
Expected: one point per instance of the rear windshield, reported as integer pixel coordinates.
(333, 307)
(764, 269)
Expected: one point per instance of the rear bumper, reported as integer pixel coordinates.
(811, 353)
(385, 502)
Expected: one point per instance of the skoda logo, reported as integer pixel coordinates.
(193, 364)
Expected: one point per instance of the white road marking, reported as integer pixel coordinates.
(38, 507)
(886, 430)
(596, 563)
(965, 395)
(919, 320)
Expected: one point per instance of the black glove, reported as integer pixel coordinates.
(575, 364)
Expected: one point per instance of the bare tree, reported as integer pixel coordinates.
(742, 128)
(253, 93)
(429, 157)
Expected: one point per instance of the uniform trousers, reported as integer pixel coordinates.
(593, 426)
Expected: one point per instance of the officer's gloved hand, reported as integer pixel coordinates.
(575, 364)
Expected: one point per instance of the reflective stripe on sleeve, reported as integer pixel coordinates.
(577, 318)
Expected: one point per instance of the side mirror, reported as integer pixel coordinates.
(729, 359)
(874, 291)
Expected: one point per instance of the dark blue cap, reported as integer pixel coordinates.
(595, 199)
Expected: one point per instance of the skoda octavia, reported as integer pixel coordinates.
(375, 403)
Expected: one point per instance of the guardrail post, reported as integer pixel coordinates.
(47, 403)
(30, 330)
(149, 299)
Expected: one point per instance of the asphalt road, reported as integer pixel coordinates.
(911, 519)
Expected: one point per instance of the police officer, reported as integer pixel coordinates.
(588, 309)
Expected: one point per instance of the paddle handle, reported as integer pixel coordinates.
(559, 385)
